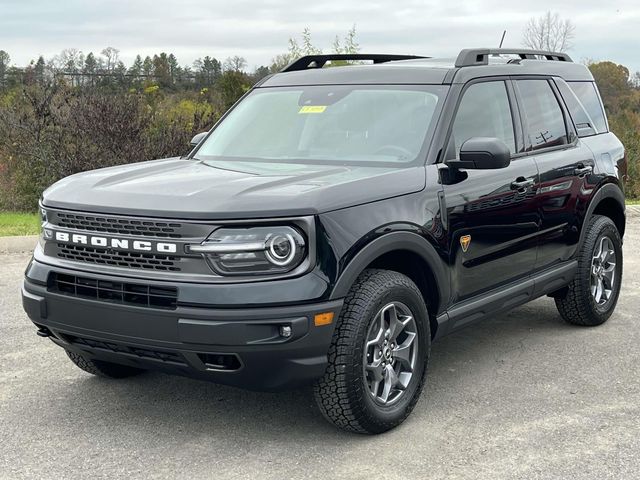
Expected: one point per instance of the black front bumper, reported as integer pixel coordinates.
(236, 346)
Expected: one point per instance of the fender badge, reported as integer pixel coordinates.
(465, 240)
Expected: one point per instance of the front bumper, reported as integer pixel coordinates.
(240, 346)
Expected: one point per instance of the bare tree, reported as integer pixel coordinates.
(112, 56)
(549, 32)
(235, 64)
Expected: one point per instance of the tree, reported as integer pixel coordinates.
(112, 55)
(613, 83)
(4, 66)
(39, 70)
(549, 32)
(147, 66)
(235, 64)
(136, 67)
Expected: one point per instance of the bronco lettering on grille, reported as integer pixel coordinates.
(115, 243)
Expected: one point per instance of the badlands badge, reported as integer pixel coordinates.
(465, 240)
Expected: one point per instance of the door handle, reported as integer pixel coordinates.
(521, 184)
(581, 171)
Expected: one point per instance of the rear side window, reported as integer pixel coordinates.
(586, 93)
(543, 115)
(484, 111)
(585, 125)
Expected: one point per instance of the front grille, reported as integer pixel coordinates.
(146, 353)
(125, 226)
(114, 292)
(148, 261)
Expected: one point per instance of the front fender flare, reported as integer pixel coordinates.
(390, 242)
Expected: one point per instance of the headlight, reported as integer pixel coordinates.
(251, 251)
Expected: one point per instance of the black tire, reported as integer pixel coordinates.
(578, 306)
(342, 394)
(102, 369)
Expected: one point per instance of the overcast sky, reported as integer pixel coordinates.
(259, 29)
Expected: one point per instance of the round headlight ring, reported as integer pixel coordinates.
(277, 258)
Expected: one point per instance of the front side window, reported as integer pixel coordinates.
(484, 111)
(543, 115)
(376, 125)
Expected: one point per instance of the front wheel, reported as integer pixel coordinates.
(593, 294)
(378, 355)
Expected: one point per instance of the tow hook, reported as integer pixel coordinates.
(44, 332)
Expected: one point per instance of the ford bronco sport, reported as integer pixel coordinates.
(335, 222)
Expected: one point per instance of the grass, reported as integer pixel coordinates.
(633, 202)
(12, 223)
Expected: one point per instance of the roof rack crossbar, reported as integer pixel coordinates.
(480, 56)
(318, 61)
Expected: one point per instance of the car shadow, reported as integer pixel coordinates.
(159, 405)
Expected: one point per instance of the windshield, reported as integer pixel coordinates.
(375, 124)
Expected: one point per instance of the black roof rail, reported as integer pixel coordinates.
(318, 61)
(480, 56)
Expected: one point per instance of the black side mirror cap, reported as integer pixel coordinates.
(482, 153)
(197, 139)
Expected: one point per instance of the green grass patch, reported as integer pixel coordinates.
(12, 223)
(633, 202)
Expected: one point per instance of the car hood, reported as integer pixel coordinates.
(179, 188)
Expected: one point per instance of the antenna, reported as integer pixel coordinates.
(502, 39)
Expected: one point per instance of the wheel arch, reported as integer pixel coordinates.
(609, 202)
(407, 253)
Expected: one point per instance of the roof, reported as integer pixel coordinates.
(470, 64)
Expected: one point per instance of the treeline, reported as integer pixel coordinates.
(620, 93)
(76, 112)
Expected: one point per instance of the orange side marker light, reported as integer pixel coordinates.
(323, 319)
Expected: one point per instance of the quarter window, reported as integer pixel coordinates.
(544, 118)
(585, 125)
(483, 112)
(586, 93)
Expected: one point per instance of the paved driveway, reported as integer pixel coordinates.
(519, 396)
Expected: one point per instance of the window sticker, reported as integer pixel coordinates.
(313, 109)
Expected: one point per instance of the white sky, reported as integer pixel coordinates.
(260, 29)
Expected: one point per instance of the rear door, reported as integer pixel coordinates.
(492, 214)
(565, 165)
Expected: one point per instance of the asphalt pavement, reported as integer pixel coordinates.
(522, 395)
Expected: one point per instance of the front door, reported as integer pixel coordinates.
(492, 215)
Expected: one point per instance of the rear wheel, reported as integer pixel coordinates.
(378, 355)
(101, 368)
(593, 294)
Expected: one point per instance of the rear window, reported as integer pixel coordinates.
(588, 96)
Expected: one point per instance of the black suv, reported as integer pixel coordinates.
(335, 222)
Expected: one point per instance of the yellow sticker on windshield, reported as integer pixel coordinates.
(313, 109)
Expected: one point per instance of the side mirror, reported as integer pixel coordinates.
(197, 139)
(482, 153)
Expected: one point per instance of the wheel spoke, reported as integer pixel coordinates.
(379, 334)
(395, 325)
(598, 292)
(376, 370)
(402, 353)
